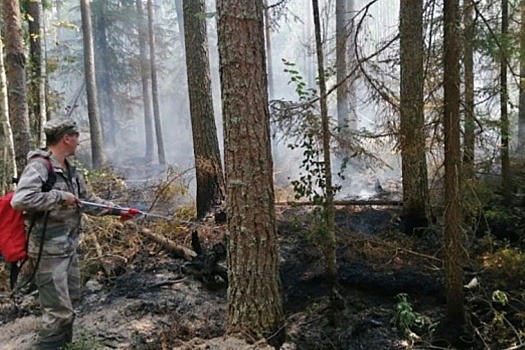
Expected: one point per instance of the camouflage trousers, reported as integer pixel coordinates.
(58, 282)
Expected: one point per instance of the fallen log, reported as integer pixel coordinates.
(173, 248)
(345, 202)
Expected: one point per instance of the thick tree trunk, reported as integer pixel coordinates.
(455, 313)
(97, 146)
(254, 292)
(413, 154)
(208, 168)
(145, 75)
(16, 81)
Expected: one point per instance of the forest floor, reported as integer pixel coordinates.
(138, 296)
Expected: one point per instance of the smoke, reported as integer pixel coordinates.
(292, 41)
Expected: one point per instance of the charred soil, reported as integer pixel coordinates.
(138, 296)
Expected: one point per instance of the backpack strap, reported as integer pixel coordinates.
(51, 175)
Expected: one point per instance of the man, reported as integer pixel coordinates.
(57, 273)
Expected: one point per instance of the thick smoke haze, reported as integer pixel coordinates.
(292, 41)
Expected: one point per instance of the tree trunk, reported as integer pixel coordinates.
(329, 210)
(59, 33)
(37, 95)
(504, 100)
(455, 312)
(412, 134)
(9, 163)
(468, 59)
(341, 39)
(254, 292)
(180, 23)
(16, 81)
(208, 168)
(103, 75)
(268, 42)
(145, 74)
(97, 146)
(351, 64)
(154, 86)
(521, 117)
(309, 62)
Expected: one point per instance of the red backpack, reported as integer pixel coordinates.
(13, 236)
(12, 232)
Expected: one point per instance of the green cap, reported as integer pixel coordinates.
(58, 127)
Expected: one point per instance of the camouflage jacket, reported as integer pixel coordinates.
(62, 234)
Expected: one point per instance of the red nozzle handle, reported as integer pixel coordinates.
(133, 211)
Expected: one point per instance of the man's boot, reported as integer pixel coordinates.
(68, 333)
(54, 342)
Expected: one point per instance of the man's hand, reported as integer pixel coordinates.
(128, 214)
(70, 199)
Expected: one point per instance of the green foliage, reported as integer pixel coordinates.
(500, 297)
(483, 211)
(508, 262)
(317, 230)
(297, 79)
(312, 179)
(498, 213)
(476, 195)
(405, 319)
(310, 184)
(103, 180)
(86, 342)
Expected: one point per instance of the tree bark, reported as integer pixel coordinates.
(329, 210)
(455, 312)
(504, 102)
(103, 74)
(309, 62)
(341, 40)
(268, 42)
(208, 168)
(521, 117)
(154, 86)
(37, 95)
(16, 81)
(254, 292)
(97, 146)
(180, 22)
(412, 133)
(351, 64)
(9, 170)
(468, 59)
(168, 245)
(145, 75)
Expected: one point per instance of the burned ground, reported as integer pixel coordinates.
(141, 297)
